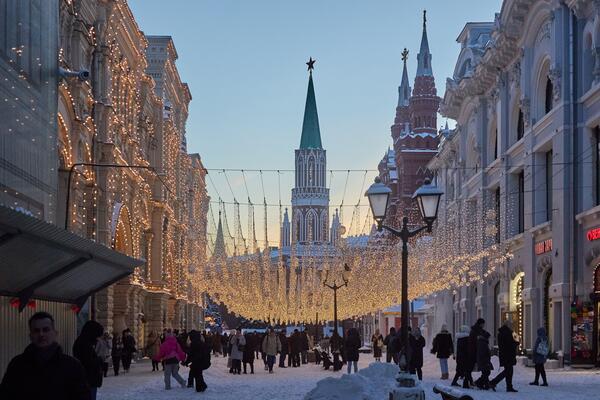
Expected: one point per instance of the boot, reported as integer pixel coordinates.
(445, 376)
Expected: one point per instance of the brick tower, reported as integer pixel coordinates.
(414, 132)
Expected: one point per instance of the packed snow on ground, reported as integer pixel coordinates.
(374, 382)
(304, 382)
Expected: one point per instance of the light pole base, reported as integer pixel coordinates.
(409, 388)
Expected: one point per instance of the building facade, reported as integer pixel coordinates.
(133, 186)
(525, 156)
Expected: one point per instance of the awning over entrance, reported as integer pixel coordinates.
(39, 260)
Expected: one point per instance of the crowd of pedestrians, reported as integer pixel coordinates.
(44, 370)
(473, 353)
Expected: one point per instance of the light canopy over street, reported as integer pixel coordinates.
(316, 200)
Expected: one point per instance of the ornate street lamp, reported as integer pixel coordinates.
(428, 199)
(335, 287)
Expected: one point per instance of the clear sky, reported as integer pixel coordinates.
(245, 64)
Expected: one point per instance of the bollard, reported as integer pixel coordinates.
(449, 393)
(408, 388)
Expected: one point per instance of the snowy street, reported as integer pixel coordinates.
(295, 383)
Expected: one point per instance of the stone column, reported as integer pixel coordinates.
(104, 308)
(156, 304)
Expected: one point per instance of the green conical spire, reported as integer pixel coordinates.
(311, 135)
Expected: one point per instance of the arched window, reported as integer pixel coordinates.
(549, 100)
(520, 125)
(312, 227)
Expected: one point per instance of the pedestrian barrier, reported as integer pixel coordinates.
(449, 393)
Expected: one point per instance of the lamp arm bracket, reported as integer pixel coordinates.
(392, 230)
(419, 230)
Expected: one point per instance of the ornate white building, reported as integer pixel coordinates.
(526, 156)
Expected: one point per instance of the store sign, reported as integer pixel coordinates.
(543, 247)
(593, 234)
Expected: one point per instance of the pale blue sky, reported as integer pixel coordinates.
(244, 62)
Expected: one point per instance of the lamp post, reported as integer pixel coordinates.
(428, 199)
(335, 288)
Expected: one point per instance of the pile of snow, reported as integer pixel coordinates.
(372, 383)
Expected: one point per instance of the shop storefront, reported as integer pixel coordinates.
(585, 323)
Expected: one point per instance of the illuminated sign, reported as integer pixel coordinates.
(593, 234)
(543, 247)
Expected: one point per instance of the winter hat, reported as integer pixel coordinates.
(480, 321)
(444, 327)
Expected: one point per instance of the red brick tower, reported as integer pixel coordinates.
(417, 142)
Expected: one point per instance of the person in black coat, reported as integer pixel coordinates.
(43, 371)
(464, 369)
(249, 349)
(416, 342)
(295, 348)
(473, 334)
(507, 353)
(443, 349)
(225, 344)
(304, 347)
(199, 357)
(337, 349)
(484, 360)
(351, 347)
(128, 349)
(391, 343)
(84, 349)
(284, 349)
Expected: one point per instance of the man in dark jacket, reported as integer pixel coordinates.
(304, 347)
(473, 334)
(507, 353)
(417, 343)
(84, 349)
(484, 360)
(391, 343)
(295, 348)
(198, 355)
(443, 348)
(128, 349)
(284, 349)
(43, 371)
(463, 367)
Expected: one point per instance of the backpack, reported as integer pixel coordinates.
(542, 348)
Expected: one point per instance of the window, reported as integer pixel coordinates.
(549, 96)
(521, 202)
(549, 185)
(596, 162)
(520, 125)
(496, 145)
(497, 207)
